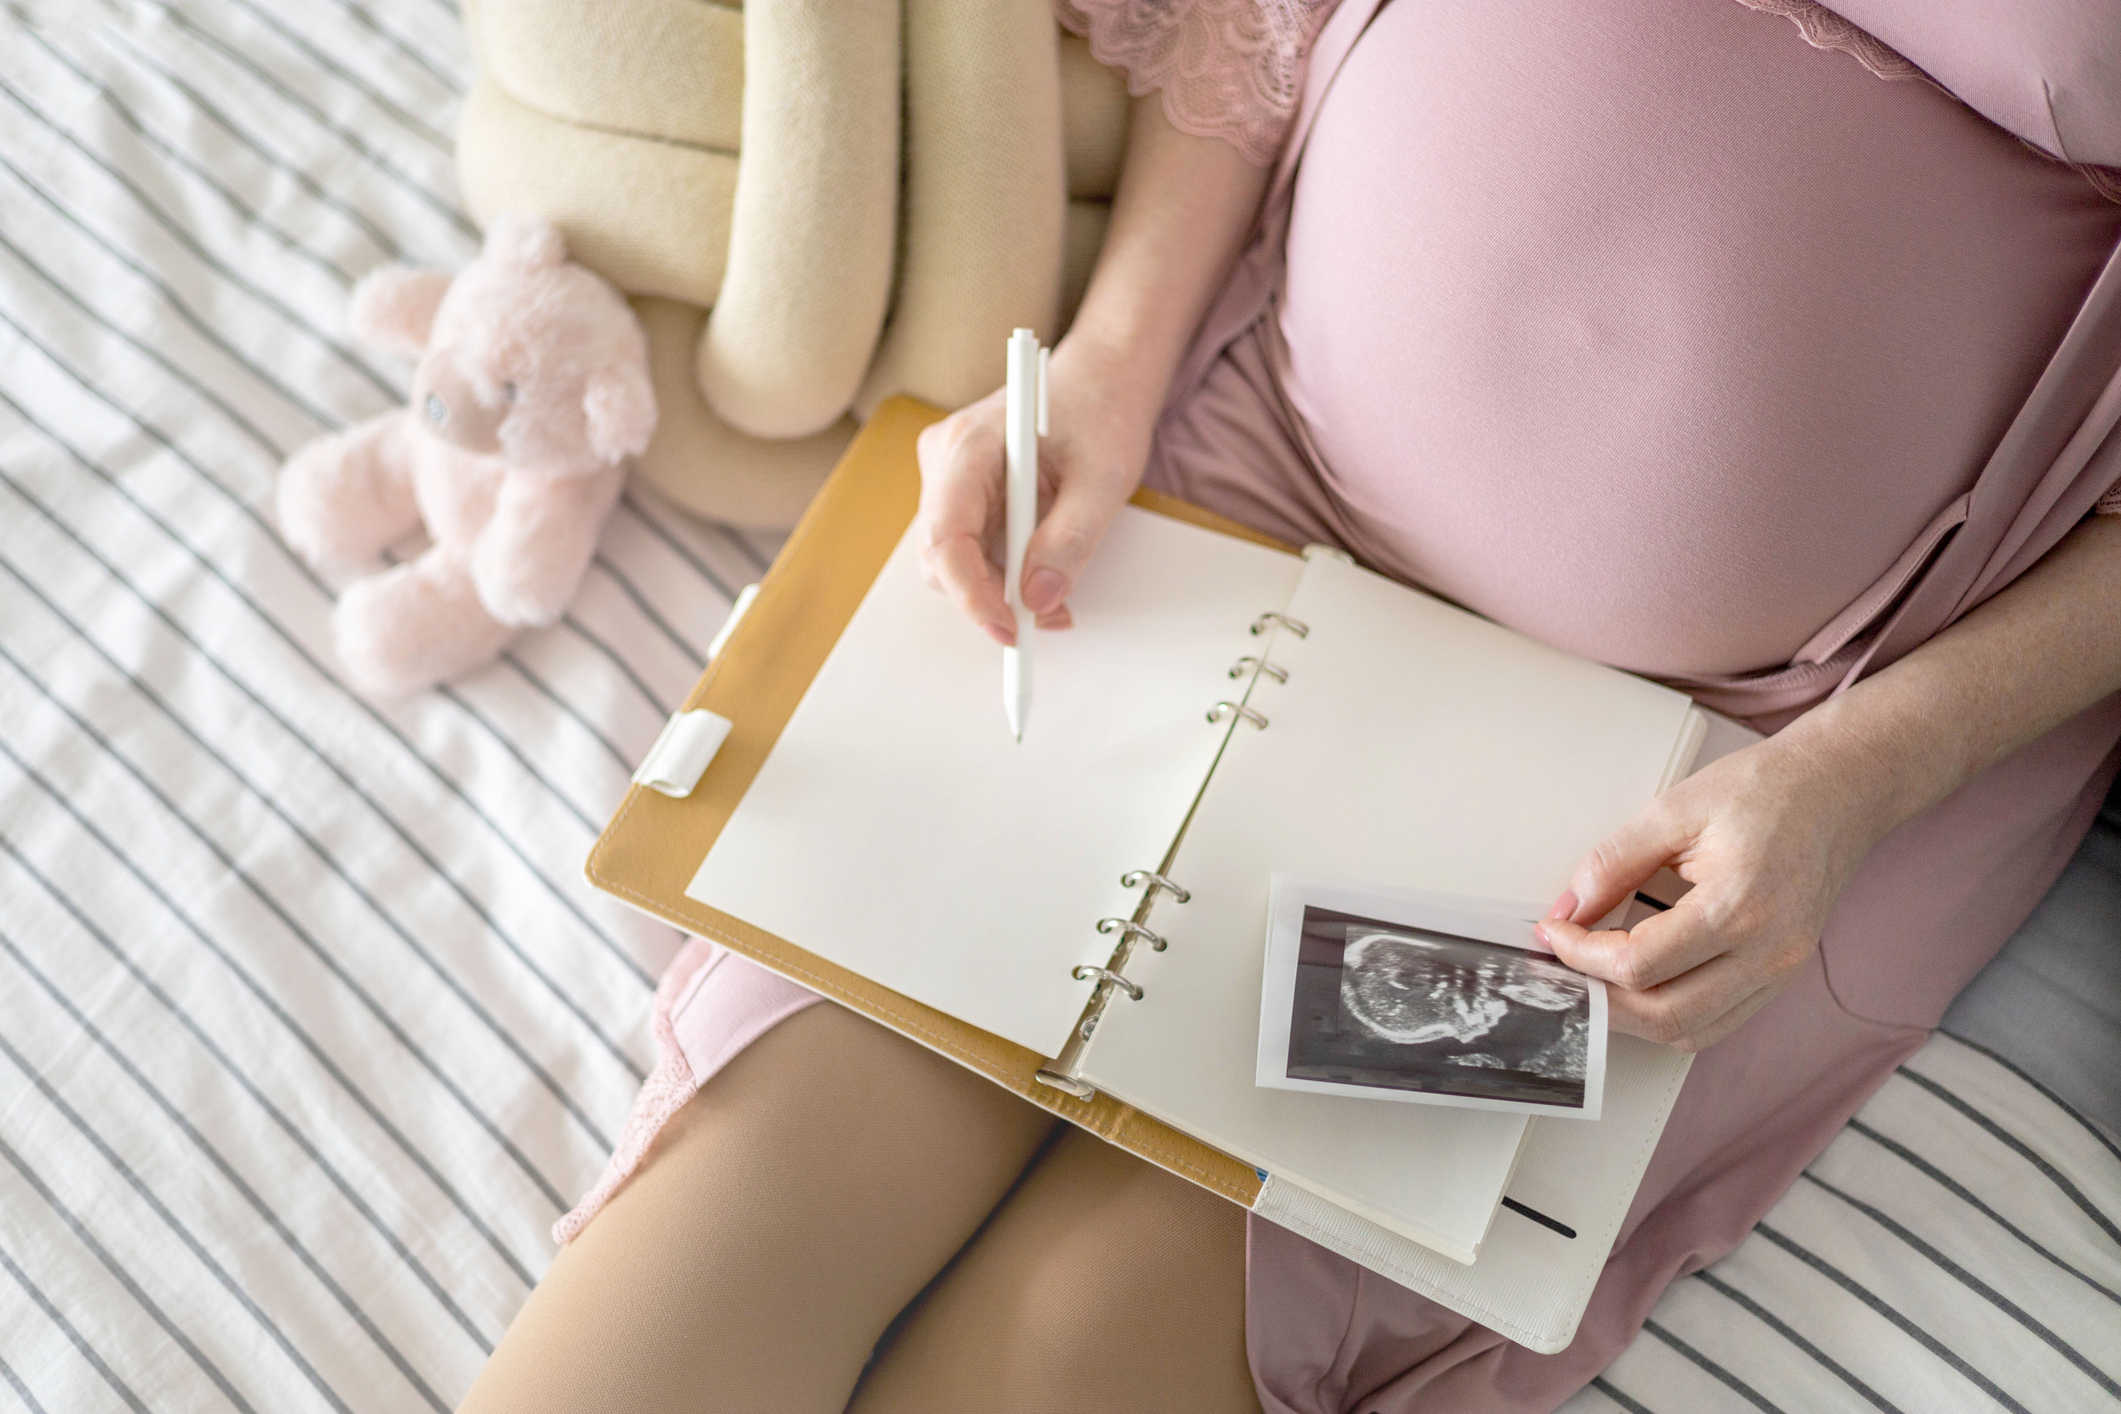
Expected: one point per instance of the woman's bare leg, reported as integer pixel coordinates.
(1103, 1283)
(785, 1215)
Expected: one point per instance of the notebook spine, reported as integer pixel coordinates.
(1111, 980)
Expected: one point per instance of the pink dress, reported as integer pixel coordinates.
(1655, 332)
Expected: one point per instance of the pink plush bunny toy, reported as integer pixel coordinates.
(532, 389)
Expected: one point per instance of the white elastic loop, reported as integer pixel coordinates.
(689, 740)
(737, 610)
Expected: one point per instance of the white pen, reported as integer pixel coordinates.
(1025, 423)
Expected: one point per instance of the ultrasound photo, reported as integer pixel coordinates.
(1401, 1008)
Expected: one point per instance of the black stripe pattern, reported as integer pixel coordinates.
(1952, 1250)
(309, 1026)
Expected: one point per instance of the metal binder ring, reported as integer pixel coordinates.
(1295, 626)
(1248, 663)
(1135, 878)
(1226, 709)
(1086, 973)
(1156, 941)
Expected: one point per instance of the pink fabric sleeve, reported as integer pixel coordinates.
(1229, 69)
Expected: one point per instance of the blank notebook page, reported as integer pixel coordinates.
(899, 831)
(1416, 746)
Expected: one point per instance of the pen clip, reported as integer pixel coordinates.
(1043, 355)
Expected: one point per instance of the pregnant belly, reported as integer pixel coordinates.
(1650, 330)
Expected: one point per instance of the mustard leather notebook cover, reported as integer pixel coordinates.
(1488, 771)
(649, 852)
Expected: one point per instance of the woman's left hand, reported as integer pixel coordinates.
(1768, 836)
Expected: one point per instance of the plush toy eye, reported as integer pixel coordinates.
(437, 410)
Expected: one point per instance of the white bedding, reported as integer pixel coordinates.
(309, 1027)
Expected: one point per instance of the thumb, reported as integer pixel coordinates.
(1081, 514)
(1622, 863)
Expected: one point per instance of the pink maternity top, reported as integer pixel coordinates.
(1658, 331)
(1670, 365)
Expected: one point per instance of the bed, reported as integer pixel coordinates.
(309, 1027)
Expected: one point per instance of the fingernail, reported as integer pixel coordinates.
(1564, 907)
(1005, 636)
(1540, 930)
(1044, 589)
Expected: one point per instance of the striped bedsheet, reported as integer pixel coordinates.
(1956, 1248)
(309, 1027)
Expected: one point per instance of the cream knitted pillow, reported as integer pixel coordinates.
(753, 164)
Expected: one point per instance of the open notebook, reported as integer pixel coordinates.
(889, 830)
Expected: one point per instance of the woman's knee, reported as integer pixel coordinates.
(834, 1166)
(785, 1214)
(1102, 1283)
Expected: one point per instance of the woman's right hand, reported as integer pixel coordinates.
(1100, 422)
(1184, 206)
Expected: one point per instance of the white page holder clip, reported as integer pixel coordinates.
(688, 742)
(737, 610)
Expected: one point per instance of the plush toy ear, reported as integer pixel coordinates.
(394, 308)
(525, 240)
(619, 407)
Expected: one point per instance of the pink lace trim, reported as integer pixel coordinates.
(662, 1094)
(1229, 69)
(2109, 504)
(1823, 29)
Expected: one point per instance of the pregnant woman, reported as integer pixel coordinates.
(1711, 339)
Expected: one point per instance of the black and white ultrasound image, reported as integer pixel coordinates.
(1403, 1008)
